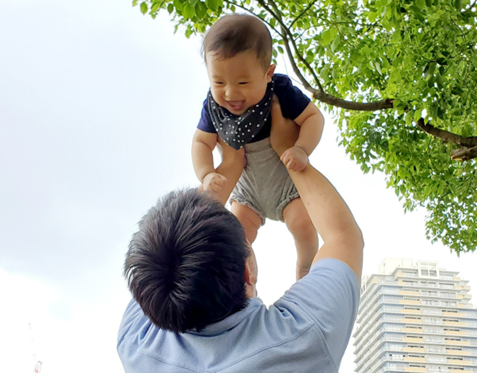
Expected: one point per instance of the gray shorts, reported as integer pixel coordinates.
(265, 185)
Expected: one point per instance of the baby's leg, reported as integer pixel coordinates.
(306, 239)
(249, 219)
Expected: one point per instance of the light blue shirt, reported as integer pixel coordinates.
(306, 330)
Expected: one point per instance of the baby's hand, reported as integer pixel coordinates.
(294, 158)
(213, 182)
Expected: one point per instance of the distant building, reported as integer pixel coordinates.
(415, 317)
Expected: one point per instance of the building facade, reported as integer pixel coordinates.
(415, 317)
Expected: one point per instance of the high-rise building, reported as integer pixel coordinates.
(415, 317)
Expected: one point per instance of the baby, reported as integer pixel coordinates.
(237, 51)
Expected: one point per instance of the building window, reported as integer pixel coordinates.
(454, 348)
(415, 346)
(447, 294)
(413, 327)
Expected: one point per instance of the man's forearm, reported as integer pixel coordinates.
(331, 217)
(326, 208)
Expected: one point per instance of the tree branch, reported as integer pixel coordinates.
(351, 105)
(464, 154)
(301, 14)
(469, 144)
(446, 135)
(253, 14)
(318, 94)
(285, 34)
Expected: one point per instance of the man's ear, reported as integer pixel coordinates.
(250, 276)
(270, 72)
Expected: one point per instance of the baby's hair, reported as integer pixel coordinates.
(236, 33)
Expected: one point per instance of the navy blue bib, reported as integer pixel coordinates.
(238, 130)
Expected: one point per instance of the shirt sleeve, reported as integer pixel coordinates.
(329, 295)
(292, 100)
(205, 123)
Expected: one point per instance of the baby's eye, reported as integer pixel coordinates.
(219, 83)
(243, 83)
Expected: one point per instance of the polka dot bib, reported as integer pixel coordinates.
(238, 130)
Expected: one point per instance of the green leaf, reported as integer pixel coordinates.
(396, 37)
(188, 11)
(155, 7)
(214, 4)
(417, 115)
(200, 10)
(170, 8)
(421, 4)
(178, 5)
(143, 8)
(336, 43)
(328, 36)
(134, 3)
(408, 118)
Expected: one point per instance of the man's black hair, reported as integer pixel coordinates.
(185, 266)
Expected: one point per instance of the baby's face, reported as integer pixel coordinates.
(239, 82)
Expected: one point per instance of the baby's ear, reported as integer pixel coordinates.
(270, 72)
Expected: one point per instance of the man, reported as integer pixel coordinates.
(193, 278)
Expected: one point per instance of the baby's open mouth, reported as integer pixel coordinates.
(236, 105)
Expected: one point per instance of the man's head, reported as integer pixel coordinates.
(187, 264)
(238, 51)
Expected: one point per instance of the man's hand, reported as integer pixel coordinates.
(295, 158)
(214, 182)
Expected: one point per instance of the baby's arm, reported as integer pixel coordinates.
(219, 183)
(311, 123)
(203, 145)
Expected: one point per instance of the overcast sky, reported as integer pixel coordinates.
(98, 105)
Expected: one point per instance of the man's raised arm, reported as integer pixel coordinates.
(328, 211)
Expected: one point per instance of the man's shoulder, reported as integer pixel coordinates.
(330, 287)
(329, 296)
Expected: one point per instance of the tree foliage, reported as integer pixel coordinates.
(399, 75)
